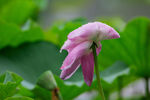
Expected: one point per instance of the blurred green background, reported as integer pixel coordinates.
(32, 32)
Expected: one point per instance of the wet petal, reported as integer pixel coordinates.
(95, 31)
(69, 45)
(76, 53)
(69, 71)
(87, 63)
(107, 32)
(87, 31)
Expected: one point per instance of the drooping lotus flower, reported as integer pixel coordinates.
(79, 44)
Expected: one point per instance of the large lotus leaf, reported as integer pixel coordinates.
(116, 70)
(139, 44)
(17, 11)
(12, 35)
(31, 60)
(3, 3)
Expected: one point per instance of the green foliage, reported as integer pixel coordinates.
(24, 50)
(133, 47)
(139, 50)
(43, 56)
(26, 58)
(19, 98)
(116, 70)
(3, 3)
(8, 84)
(109, 77)
(17, 11)
(12, 35)
(23, 91)
(41, 4)
(75, 90)
(41, 93)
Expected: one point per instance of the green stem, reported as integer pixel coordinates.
(147, 88)
(97, 72)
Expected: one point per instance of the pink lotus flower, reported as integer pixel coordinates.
(79, 49)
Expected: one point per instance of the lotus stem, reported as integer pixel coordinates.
(97, 72)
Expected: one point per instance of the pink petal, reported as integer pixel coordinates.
(111, 34)
(69, 45)
(87, 63)
(72, 61)
(76, 53)
(68, 72)
(86, 31)
(95, 31)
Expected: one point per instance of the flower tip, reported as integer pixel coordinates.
(62, 67)
(62, 77)
(88, 83)
(61, 50)
(115, 36)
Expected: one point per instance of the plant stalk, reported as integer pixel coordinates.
(56, 94)
(97, 72)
